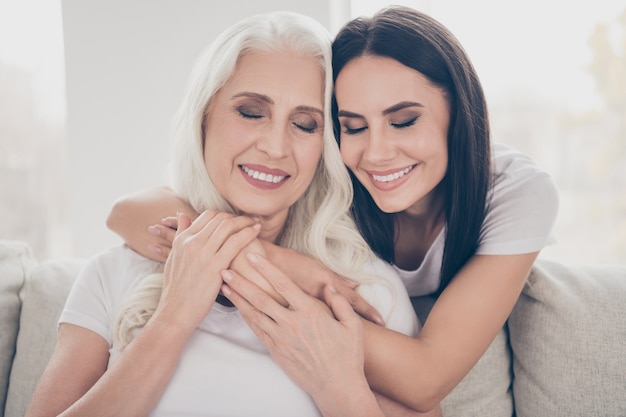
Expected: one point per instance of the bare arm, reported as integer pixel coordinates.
(136, 218)
(331, 347)
(417, 372)
(77, 381)
(459, 329)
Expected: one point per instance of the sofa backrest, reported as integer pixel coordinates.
(16, 262)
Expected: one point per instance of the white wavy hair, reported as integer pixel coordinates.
(319, 223)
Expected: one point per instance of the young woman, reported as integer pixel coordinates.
(455, 215)
(253, 136)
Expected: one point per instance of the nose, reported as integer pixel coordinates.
(275, 141)
(379, 148)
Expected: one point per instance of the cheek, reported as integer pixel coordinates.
(348, 153)
(309, 157)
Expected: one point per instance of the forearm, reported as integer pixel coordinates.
(131, 215)
(137, 380)
(355, 399)
(419, 372)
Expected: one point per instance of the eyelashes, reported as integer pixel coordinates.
(407, 123)
(356, 130)
(301, 121)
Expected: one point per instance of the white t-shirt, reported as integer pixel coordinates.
(522, 207)
(224, 369)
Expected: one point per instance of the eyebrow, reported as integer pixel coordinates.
(268, 100)
(387, 111)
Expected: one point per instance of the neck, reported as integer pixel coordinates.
(272, 227)
(428, 213)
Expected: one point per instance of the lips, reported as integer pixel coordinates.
(391, 176)
(271, 176)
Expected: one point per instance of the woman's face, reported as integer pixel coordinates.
(264, 133)
(394, 127)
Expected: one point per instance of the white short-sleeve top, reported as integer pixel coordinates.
(224, 368)
(521, 209)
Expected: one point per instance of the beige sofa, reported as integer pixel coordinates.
(562, 353)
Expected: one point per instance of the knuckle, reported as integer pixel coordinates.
(353, 298)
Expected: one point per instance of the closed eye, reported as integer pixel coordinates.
(306, 129)
(350, 131)
(408, 123)
(249, 115)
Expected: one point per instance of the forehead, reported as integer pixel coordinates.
(280, 75)
(384, 81)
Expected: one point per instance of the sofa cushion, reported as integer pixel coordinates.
(486, 390)
(16, 261)
(568, 336)
(43, 297)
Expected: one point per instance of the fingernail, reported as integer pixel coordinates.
(155, 249)
(256, 226)
(166, 222)
(378, 319)
(253, 258)
(154, 230)
(227, 276)
(331, 288)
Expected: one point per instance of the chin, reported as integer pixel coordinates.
(390, 207)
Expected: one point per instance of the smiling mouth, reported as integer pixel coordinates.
(262, 176)
(394, 176)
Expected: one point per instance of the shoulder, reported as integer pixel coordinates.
(385, 291)
(117, 264)
(515, 173)
(101, 285)
(522, 205)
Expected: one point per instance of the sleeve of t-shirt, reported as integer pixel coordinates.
(91, 299)
(386, 292)
(522, 207)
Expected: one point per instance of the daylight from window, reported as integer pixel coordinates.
(554, 73)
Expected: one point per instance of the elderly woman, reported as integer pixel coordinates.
(254, 153)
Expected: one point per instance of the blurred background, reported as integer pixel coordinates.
(88, 89)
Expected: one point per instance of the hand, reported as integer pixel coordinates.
(320, 349)
(165, 233)
(200, 251)
(312, 277)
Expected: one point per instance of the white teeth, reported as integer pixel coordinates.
(262, 176)
(391, 177)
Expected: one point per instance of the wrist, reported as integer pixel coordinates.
(349, 401)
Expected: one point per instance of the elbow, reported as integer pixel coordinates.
(428, 398)
(426, 404)
(115, 220)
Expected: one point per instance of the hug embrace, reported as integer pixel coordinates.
(317, 185)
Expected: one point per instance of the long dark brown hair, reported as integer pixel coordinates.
(422, 43)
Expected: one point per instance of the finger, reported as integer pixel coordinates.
(160, 253)
(339, 305)
(170, 221)
(183, 221)
(284, 286)
(166, 234)
(350, 283)
(254, 295)
(202, 220)
(260, 322)
(361, 306)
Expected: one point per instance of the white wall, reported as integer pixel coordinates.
(127, 63)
